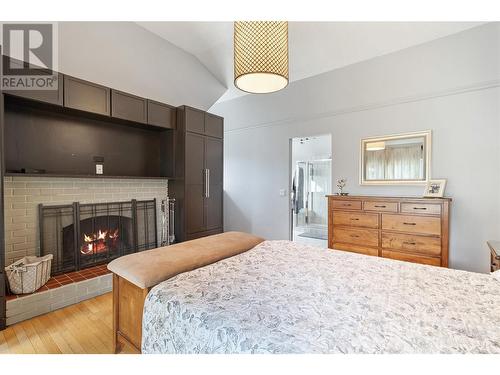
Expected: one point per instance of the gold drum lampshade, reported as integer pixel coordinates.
(260, 56)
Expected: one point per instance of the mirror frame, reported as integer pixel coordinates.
(427, 134)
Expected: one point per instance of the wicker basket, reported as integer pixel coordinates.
(28, 274)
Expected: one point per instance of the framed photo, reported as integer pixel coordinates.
(435, 188)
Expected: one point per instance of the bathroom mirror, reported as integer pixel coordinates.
(396, 159)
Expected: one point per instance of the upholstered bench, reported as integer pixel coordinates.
(134, 275)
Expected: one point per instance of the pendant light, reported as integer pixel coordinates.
(260, 56)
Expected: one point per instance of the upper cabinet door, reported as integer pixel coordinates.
(86, 96)
(46, 96)
(162, 115)
(195, 120)
(214, 125)
(128, 107)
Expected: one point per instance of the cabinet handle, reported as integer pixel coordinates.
(354, 218)
(346, 205)
(409, 243)
(204, 183)
(420, 208)
(410, 223)
(207, 183)
(380, 206)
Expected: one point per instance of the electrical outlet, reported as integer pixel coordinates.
(282, 192)
(99, 169)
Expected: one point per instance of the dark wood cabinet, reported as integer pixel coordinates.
(195, 183)
(194, 120)
(86, 96)
(204, 176)
(203, 123)
(129, 107)
(198, 188)
(195, 159)
(161, 115)
(214, 176)
(45, 96)
(214, 125)
(93, 121)
(195, 209)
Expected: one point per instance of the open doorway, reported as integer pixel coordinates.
(311, 180)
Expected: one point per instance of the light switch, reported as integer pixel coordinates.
(282, 192)
(99, 169)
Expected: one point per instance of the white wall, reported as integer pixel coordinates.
(125, 56)
(451, 86)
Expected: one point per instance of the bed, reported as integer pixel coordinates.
(283, 297)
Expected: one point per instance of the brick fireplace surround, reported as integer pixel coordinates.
(22, 196)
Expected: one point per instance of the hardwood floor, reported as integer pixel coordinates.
(82, 328)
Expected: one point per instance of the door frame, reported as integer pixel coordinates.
(291, 170)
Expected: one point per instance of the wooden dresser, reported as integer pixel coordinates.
(410, 229)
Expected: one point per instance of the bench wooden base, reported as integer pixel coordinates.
(128, 304)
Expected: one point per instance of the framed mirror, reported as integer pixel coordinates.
(396, 159)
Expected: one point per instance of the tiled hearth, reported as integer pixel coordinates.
(67, 278)
(60, 291)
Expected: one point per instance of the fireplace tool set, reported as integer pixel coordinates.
(167, 221)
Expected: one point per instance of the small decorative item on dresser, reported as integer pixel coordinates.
(435, 188)
(341, 182)
(495, 255)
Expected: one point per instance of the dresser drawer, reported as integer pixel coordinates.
(412, 243)
(355, 219)
(380, 206)
(421, 208)
(365, 237)
(356, 249)
(346, 205)
(412, 224)
(414, 258)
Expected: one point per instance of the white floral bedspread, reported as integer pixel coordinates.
(282, 297)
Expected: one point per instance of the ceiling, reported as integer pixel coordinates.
(314, 47)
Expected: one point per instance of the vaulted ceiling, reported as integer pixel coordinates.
(314, 47)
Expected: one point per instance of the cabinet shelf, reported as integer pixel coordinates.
(67, 143)
(18, 174)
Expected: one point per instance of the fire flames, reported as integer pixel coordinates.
(99, 242)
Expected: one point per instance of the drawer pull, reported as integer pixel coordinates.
(380, 206)
(410, 223)
(410, 243)
(420, 208)
(354, 218)
(346, 204)
(354, 235)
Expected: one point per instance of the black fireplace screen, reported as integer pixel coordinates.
(85, 235)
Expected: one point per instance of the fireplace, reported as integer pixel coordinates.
(84, 235)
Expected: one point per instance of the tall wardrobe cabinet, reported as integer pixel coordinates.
(198, 183)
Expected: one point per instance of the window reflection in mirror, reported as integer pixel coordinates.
(395, 159)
